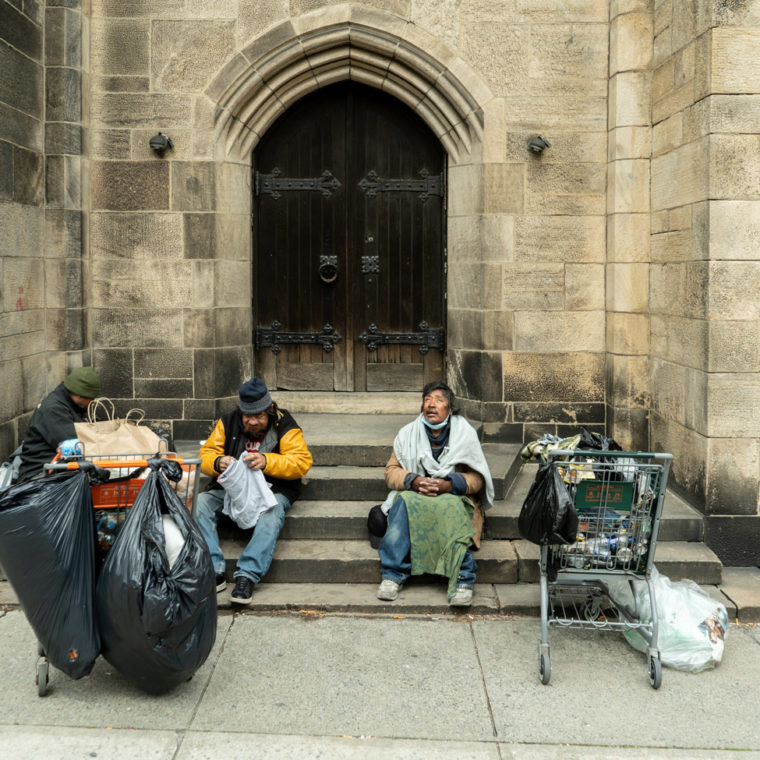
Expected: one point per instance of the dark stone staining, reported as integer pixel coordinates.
(115, 369)
(200, 236)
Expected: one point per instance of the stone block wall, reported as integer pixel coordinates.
(628, 224)
(609, 281)
(704, 272)
(169, 288)
(526, 231)
(23, 321)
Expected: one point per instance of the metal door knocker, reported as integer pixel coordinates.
(328, 269)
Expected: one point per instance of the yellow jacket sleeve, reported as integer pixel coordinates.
(212, 449)
(293, 460)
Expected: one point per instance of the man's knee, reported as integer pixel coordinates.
(207, 505)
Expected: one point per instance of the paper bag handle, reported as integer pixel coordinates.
(100, 403)
(140, 416)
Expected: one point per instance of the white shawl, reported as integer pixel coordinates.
(246, 493)
(412, 449)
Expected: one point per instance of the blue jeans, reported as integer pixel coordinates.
(395, 547)
(257, 555)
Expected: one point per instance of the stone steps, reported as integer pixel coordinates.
(338, 519)
(323, 559)
(352, 561)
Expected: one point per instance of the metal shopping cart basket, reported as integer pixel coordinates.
(618, 497)
(111, 501)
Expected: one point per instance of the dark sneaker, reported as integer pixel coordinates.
(221, 582)
(243, 591)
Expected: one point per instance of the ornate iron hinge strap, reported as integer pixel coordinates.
(272, 337)
(372, 184)
(426, 339)
(273, 184)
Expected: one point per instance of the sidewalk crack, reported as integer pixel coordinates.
(483, 681)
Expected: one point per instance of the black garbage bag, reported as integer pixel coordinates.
(157, 623)
(47, 551)
(597, 442)
(548, 514)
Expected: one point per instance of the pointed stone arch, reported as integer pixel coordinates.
(374, 48)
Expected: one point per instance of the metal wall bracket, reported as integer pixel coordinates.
(273, 184)
(372, 184)
(426, 339)
(272, 337)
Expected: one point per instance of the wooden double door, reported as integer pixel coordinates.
(349, 263)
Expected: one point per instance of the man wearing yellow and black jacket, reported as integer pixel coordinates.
(268, 439)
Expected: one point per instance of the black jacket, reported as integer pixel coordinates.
(52, 422)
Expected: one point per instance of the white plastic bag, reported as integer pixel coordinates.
(692, 625)
(247, 493)
(174, 540)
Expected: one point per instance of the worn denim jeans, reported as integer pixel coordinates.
(257, 555)
(395, 547)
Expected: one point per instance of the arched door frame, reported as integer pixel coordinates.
(378, 49)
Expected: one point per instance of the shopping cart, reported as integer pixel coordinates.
(618, 497)
(111, 501)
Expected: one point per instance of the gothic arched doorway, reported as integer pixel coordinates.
(348, 245)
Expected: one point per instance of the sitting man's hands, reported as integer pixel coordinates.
(255, 461)
(431, 486)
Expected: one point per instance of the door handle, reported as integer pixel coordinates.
(328, 269)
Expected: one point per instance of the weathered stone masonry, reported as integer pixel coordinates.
(610, 281)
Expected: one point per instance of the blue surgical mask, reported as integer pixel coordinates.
(435, 427)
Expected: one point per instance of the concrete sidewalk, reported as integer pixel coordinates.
(307, 685)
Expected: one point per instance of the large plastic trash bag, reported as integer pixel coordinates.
(548, 514)
(157, 622)
(47, 551)
(692, 625)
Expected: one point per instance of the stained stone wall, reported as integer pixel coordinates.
(705, 331)
(610, 281)
(41, 306)
(526, 232)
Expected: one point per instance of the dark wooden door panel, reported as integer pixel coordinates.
(353, 179)
(299, 176)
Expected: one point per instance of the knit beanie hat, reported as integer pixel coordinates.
(83, 382)
(254, 397)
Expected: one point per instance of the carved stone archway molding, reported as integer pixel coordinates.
(342, 42)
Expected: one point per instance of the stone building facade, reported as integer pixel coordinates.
(610, 280)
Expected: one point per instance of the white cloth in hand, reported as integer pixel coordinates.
(246, 493)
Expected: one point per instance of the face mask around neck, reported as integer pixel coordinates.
(438, 426)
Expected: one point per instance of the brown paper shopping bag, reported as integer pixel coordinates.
(114, 435)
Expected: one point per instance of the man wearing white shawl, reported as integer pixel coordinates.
(440, 484)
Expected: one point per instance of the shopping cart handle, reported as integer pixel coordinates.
(108, 464)
(554, 453)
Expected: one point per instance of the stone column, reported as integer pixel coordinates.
(627, 268)
(706, 266)
(23, 369)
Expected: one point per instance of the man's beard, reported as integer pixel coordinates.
(255, 436)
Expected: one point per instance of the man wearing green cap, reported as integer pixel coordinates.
(53, 420)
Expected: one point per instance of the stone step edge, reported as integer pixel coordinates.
(519, 599)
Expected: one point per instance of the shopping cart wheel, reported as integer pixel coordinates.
(42, 677)
(545, 667)
(655, 672)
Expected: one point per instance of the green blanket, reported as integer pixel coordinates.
(441, 531)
